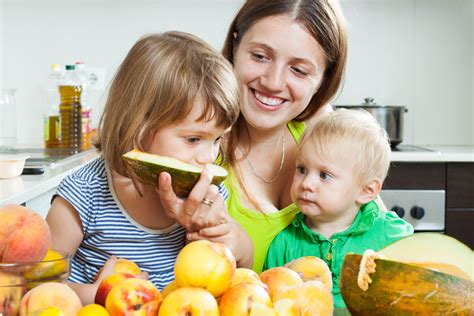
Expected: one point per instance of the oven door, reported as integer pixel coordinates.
(424, 209)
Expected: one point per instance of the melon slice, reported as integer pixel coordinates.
(184, 176)
(433, 251)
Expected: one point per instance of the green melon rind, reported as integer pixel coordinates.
(402, 289)
(184, 176)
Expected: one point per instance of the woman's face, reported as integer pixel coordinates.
(280, 67)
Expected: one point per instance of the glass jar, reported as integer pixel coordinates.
(8, 135)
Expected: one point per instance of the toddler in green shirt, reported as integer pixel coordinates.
(341, 163)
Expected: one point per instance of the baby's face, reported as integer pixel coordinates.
(324, 186)
(192, 140)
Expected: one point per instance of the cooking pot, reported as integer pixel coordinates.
(390, 117)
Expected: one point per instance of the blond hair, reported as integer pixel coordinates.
(354, 135)
(157, 84)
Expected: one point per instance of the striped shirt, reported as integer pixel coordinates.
(109, 230)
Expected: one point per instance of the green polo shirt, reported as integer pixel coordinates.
(371, 229)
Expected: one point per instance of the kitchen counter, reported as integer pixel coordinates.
(436, 154)
(28, 187)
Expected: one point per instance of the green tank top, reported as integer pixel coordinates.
(262, 228)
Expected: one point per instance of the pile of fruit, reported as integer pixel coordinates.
(208, 283)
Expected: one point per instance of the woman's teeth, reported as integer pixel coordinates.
(267, 100)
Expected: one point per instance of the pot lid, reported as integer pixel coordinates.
(370, 103)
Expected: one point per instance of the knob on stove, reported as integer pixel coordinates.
(399, 210)
(417, 212)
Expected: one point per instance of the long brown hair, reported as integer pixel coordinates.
(157, 84)
(323, 19)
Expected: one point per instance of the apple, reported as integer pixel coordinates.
(312, 268)
(205, 264)
(133, 296)
(24, 235)
(107, 284)
(12, 288)
(50, 294)
(189, 301)
(278, 279)
(238, 299)
(310, 298)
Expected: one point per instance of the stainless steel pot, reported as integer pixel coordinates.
(390, 118)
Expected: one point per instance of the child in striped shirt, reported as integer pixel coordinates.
(173, 95)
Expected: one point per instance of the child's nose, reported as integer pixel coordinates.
(207, 155)
(309, 183)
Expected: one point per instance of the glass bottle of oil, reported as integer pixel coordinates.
(51, 117)
(70, 111)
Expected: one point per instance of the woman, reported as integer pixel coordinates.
(289, 57)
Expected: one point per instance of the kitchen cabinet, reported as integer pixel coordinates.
(456, 179)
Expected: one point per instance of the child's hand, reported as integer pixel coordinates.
(233, 236)
(204, 207)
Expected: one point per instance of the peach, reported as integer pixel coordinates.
(126, 266)
(244, 275)
(312, 268)
(12, 288)
(205, 264)
(189, 301)
(93, 310)
(24, 235)
(50, 294)
(107, 284)
(170, 287)
(259, 309)
(133, 296)
(239, 299)
(278, 279)
(310, 298)
(285, 307)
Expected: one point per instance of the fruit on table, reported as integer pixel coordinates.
(278, 279)
(184, 176)
(312, 268)
(433, 250)
(400, 288)
(107, 284)
(24, 235)
(310, 298)
(133, 296)
(12, 288)
(205, 264)
(126, 266)
(238, 299)
(93, 310)
(50, 294)
(53, 264)
(189, 301)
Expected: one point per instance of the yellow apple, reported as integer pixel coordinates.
(51, 294)
(312, 268)
(278, 279)
(132, 297)
(238, 300)
(205, 264)
(107, 284)
(189, 301)
(310, 298)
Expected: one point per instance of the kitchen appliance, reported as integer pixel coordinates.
(423, 209)
(390, 117)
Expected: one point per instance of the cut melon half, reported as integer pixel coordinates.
(183, 175)
(434, 251)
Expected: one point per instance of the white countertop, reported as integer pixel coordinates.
(436, 154)
(23, 188)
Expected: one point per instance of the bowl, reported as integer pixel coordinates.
(11, 165)
(18, 278)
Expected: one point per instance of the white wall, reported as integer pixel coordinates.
(416, 53)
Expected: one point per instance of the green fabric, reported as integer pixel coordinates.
(261, 228)
(371, 229)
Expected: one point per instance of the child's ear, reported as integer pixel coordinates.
(369, 191)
